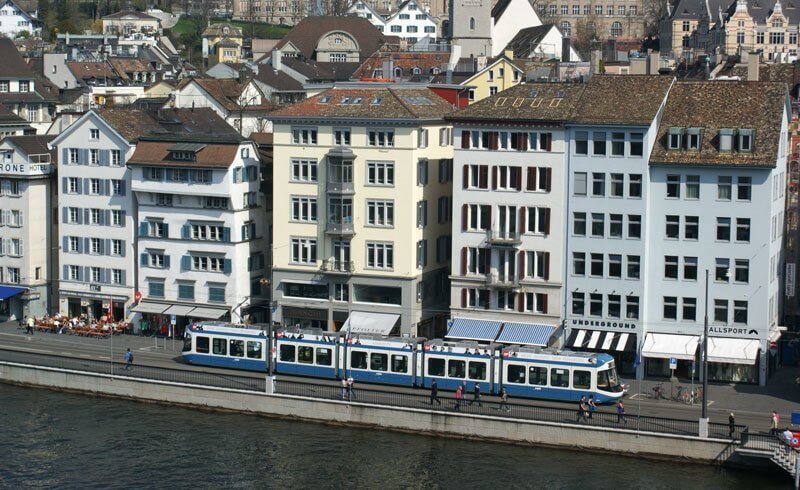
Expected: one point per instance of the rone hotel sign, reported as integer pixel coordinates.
(25, 169)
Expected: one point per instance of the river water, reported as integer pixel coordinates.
(59, 440)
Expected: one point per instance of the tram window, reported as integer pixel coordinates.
(305, 355)
(358, 359)
(399, 364)
(456, 369)
(435, 367)
(378, 362)
(253, 350)
(201, 345)
(237, 348)
(220, 347)
(559, 378)
(537, 375)
(323, 357)
(287, 353)
(516, 373)
(477, 370)
(582, 379)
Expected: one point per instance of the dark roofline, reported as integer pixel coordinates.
(209, 138)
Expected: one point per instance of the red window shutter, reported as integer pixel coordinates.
(522, 219)
(546, 221)
(465, 139)
(549, 139)
(523, 139)
(522, 264)
(493, 140)
(484, 177)
(463, 261)
(549, 179)
(518, 178)
(544, 303)
(521, 301)
(547, 266)
(494, 177)
(532, 171)
(464, 217)
(463, 297)
(465, 179)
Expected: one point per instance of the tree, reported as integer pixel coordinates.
(542, 9)
(583, 33)
(654, 12)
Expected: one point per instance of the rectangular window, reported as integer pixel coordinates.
(617, 144)
(692, 187)
(740, 312)
(615, 265)
(721, 270)
(721, 311)
(634, 226)
(380, 138)
(304, 136)
(598, 225)
(742, 229)
(615, 226)
(723, 229)
(691, 228)
(673, 186)
(380, 255)
(595, 304)
(671, 267)
(186, 292)
(634, 266)
(689, 312)
(581, 142)
(742, 270)
(632, 307)
(596, 266)
(724, 184)
(380, 173)
(673, 227)
(578, 304)
(617, 185)
(304, 209)
(635, 185)
(156, 289)
(380, 213)
(743, 188)
(670, 308)
(422, 214)
(614, 306)
(690, 268)
(579, 224)
(304, 170)
(598, 184)
(636, 146)
(579, 263)
(304, 251)
(580, 185)
(341, 136)
(598, 143)
(216, 294)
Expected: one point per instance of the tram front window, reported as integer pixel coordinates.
(187, 343)
(607, 380)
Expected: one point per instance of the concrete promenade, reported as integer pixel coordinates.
(751, 405)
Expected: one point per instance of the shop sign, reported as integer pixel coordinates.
(722, 331)
(304, 313)
(25, 168)
(790, 279)
(584, 322)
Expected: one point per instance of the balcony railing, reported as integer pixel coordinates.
(335, 266)
(340, 227)
(504, 238)
(499, 281)
(341, 187)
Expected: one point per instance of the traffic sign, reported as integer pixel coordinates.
(673, 363)
(173, 319)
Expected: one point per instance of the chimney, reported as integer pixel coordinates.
(277, 60)
(595, 61)
(653, 62)
(566, 44)
(752, 66)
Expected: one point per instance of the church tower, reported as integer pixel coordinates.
(471, 26)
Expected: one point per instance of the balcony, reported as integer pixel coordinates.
(340, 188)
(333, 266)
(498, 281)
(340, 171)
(501, 238)
(340, 227)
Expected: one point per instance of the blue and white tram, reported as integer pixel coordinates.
(377, 359)
(222, 345)
(307, 353)
(544, 373)
(453, 363)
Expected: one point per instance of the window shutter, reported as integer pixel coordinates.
(65, 244)
(107, 247)
(143, 229)
(522, 264)
(86, 246)
(64, 215)
(65, 271)
(244, 232)
(464, 140)
(122, 277)
(64, 156)
(484, 294)
(523, 141)
(464, 217)
(166, 230)
(463, 261)
(547, 266)
(122, 218)
(186, 263)
(494, 177)
(79, 186)
(544, 303)
(80, 246)
(122, 251)
(465, 179)
(549, 181)
(463, 297)
(143, 259)
(87, 188)
(21, 247)
(64, 185)
(107, 183)
(166, 261)
(521, 301)
(185, 232)
(531, 184)
(226, 234)
(518, 178)
(523, 217)
(250, 264)
(488, 261)
(493, 137)
(549, 141)
(102, 157)
(546, 221)
(226, 266)
(102, 275)
(83, 156)
(122, 186)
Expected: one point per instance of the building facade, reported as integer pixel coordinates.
(602, 20)
(16, 20)
(27, 232)
(362, 181)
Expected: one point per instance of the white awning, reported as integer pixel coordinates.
(363, 322)
(179, 310)
(148, 307)
(666, 346)
(208, 313)
(732, 351)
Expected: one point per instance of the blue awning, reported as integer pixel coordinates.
(471, 329)
(526, 334)
(9, 291)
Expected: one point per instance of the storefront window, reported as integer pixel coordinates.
(732, 373)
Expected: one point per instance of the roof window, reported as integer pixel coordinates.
(675, 138)
(745, 143)
(694, 139)
(726, 140)
(325, 99)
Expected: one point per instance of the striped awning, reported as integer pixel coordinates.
(526, 334)
(600, 340)
(472, 329)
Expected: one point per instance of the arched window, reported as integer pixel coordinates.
(398, 72)
(415, 71)
(566, 28)
(616, 29)
(435, 70)
(472, 23)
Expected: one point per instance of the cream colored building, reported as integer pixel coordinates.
(362, 187)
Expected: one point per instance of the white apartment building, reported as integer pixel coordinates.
(508, 233)
(362, 184)
(716, 206)
(14, 20)
(27, 233)
(21, 92)
(606, 241)
(411, 21)
(200, 224)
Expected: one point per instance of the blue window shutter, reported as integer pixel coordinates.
(64, 156)
(107, 187)
(86, 274)
(107, 246)
(226, 234)
(143, 259)
(107, 218)
(87, 188)
(65, 244)
(166, 230)
(84, 156)
(226, 266)
(143, 228)
(104, 157)
(64, 185)
(86, 248)
(86, 216)
(185, 231)
(122, 276)
(102, 275)
(244, 231)
(122, 187)
(166, 261)
(122, 249)
(79, 185)
(186, 263)
(64, 215)
(66, 272)
(122, 218)
(249, 264)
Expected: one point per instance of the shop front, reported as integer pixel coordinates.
(169, 319)
(620, 345)
(304, 317)
(93, 306)
(659, 350)
(733, 360)
(11, 303)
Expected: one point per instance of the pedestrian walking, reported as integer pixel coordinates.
(29, 325)
(351, 393)
(581, 409)
(504, 399)
(731, 425)
(344, 388)
(128, 360)
(435, 393)
(592, 406)
(476, 395)
(776, 419)
(459, 396)
(621, 413)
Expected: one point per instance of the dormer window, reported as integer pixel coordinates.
(694, 138)
(24, 86)
(745, 140)
(674, 138)
(182, 155)
(726, 140)
(3, 86)
(185, 152)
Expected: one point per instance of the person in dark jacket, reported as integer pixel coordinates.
(731, 425)
(476, 394)
(435, 393)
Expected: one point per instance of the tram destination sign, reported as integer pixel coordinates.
(25, 169)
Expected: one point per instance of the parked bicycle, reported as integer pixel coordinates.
(658, 392)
